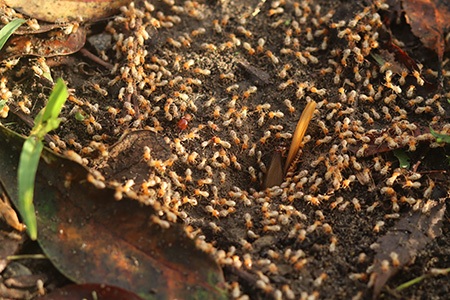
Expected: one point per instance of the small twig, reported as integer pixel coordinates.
(26, 256)
(96, 59)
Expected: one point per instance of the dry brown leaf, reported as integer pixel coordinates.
(86, 291)
(35, 45)
(429, 20)
(10, 216)
(57, 10)
(274, 175)
(400, 244)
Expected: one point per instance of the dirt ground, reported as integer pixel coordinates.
(243, 71)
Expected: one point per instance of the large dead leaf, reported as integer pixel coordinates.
(8, 214)
(67, 10)
(429, 20)
(400, 245)
(90, 237)
(90, 292)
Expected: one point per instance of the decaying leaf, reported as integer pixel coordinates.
(10, 242)
(63, 11)
(91, 237)
(58, 44)
(10, 216)
(126, 157)
(274, 175)
(404, 240)
(429, 20)
(399, 56)
(399, 61)
(90, 292)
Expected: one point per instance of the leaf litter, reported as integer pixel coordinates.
(403, 241)
(90, 292)
(429, 22)
(90, 238)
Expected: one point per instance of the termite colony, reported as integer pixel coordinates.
(223, 90)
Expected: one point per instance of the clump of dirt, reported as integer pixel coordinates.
(244, 71)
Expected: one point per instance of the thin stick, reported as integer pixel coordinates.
(96, 59)
(26, 256)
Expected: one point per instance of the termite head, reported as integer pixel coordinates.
(184, 122)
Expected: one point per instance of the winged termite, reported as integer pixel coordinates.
(275, 173)
(299, 133)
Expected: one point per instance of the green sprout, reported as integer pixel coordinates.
(46, 121)
(440, 138)
(403, 158)
(433, 272)
(8, 30)
(80, 116)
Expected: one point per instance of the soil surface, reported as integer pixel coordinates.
(218, 87)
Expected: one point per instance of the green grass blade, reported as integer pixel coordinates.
(440, 137)
(410, 283)
(8, 29)
(45, 121)
(55, 104)
(28, 164)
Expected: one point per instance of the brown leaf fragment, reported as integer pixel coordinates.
(24, 30)
(274, 175)
(51, 44)
(429, 22)
(126, 157)
(9, 245)
(8, 293)
(403, 241)
(61, 11)
(90, 291)
(10, 216)
(400, 56)
(256, 75)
